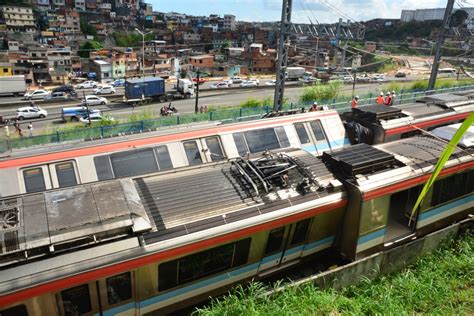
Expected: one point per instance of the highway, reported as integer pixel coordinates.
(210, 98)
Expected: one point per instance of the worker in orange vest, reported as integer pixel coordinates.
(354, 102)
(380, 99)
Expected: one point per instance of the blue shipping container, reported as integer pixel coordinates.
(149, 87)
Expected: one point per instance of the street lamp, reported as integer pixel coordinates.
(143, 49)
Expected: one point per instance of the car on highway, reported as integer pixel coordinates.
(104, 90)
(400, 74)
(94, 100)
(118, 83)
(271, 83)
(310, 79)
(254, 80)
(200, 81)
(348, 79)
(29, 112)
(95, 117)
(64, 88)
(220, 85)
(36, 94)
(89, 84)
(60, 95)
(236, 79)
(248, 84)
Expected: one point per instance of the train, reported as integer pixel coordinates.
(65, 164)
(155, 243)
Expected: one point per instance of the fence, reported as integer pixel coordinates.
(224, 115)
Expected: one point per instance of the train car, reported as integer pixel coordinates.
(154, 244)
(62, 165)
(376, 124)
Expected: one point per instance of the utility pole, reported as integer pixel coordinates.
(439, 44)
(282, 55)
(143, 60)
(197, 92)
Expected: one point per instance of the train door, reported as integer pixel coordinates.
(212, 149)
(312, 137)
(80, 300)
(284, 245)
(117, 294)
(63, 174)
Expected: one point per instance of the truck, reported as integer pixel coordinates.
(12, 85)
(294, 73)
(153, 89)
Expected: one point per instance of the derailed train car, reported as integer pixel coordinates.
(153, 244)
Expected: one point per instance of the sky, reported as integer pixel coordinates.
(303, 10)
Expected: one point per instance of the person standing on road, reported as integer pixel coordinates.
(388, 99)
(30, 129)
(354, 102)
(380, 100)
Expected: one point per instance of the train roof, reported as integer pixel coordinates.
(374, 166)
(447, 132)
(159, 206)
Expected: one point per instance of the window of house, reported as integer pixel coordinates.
(76, 301)
(66, 174)
(119, 288)
(34, 180)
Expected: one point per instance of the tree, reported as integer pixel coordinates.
(225, 45)
(87, 47)
(458, 18)
(88, 29)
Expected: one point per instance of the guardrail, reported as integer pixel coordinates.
(225, 116)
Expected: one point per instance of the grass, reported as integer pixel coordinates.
(441, 283)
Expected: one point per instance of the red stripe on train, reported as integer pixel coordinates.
(408, 128)
(411, 182)
(71, 154)
(85, 277)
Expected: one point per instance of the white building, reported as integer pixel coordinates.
(80, 5)
(18, 19)
(229, 22)
(430, 14)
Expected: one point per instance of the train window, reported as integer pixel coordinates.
(317, 130)
(240, 143)
(19, 310)
(133, 162)
(302, 134)
(282, 138)
(301, 229)
(215, 148)
(66, 174)
(168, 275)
(203, 264)
(76, 301)
(163, 157)
(450, 188)
(119, 288)
(242, 249)
(261, 140)
(34, 180)
(192, 152)
(275, 238)
(103, 168)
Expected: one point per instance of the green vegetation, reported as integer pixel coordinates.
(441, 283)
(440, 84)
(130, 39)
(458, 18)
(253, 103)
(89, 46)
(402, 31)
(88, 29)
(321, 92)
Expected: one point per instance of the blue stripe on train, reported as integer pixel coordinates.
(446, 207)
(370, 236)
(324, 146)
(217, 278)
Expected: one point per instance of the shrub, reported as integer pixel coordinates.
(320, 92)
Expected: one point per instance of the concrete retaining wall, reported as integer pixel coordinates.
(383, 262)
